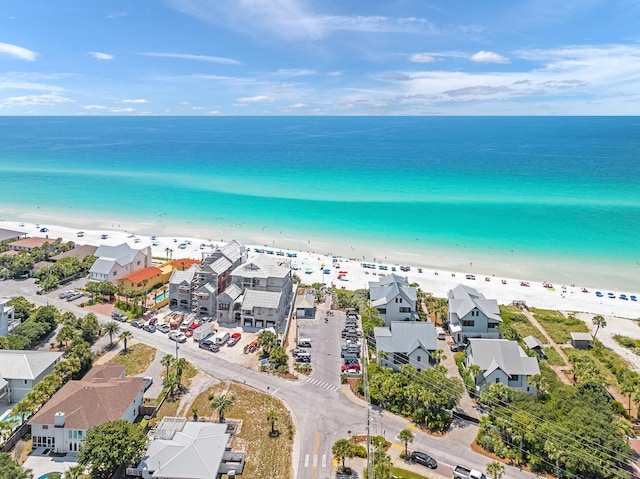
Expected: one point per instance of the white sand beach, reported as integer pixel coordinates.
(571, 298)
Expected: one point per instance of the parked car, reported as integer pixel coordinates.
(424, 459)
(178, 337)
(118, 316)
(233, 340)
(209, 345)
(137, 324)
(153, 320)
(345, 367)
(455, 347)
(64, 294)
(163, 328)
(150, 328)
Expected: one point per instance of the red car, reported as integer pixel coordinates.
(235, 337)
(346, 367)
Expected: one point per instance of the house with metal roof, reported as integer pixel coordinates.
(20, 371)
(230, 305)
(263, 309)
(406, 342)
(116, 261)
(581, 340)
(103, 395)
(471, 315)
(181, 449)
(502, 361)
(305, 305)
(534, 344)
(394, 299)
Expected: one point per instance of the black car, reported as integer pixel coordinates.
(424, 459)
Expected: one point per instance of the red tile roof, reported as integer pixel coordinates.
(188, 262)
(142, 274)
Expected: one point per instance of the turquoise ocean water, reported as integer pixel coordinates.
(541, 197)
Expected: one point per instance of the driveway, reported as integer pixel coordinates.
(41, 463)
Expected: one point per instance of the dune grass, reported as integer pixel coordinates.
(137, 359)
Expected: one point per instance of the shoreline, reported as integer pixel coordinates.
(571, 299)
(593, 273)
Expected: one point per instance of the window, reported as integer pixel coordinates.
(401, 300)
(468, 322)
(396, 300)
(418, 359)
(382, 310)
(25, 381)
(114, 273)
(138, 262)
(497, 380)
(404, 309)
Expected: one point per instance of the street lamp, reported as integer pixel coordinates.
(177, 347)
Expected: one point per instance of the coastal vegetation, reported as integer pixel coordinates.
(137, 359)
(629, 343)
(37, 325)
(426, 397)
(63, 271)
(557, 325)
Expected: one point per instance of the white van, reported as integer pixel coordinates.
(440, 333)
(221, 338)
(304, 343)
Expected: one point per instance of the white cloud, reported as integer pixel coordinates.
(256, 99)
(214, 113)
(140, 101)
(95, 107)
(189, 56)
(421, 58)
(297, 105)
(292, 72)
(334, 73)
(17, 52)
(24, 85)
(197, 108)
(488, 57)
(101, 56)
(184, 102)
(47, 99)
(123, 110)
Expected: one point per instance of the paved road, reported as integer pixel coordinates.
(322, 411)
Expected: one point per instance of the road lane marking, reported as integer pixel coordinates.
(315, 456)
(324, 460)
(306, 460)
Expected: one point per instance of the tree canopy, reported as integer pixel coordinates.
(111, 444)
(10, 469)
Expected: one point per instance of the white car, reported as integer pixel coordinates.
(178, 337)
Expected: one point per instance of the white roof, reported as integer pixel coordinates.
(25, 364)
(195, 452)
(264, 267)
(232, 291)
(492, 354)
(261, 299)
(406, 336)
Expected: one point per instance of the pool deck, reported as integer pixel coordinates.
(42, 464)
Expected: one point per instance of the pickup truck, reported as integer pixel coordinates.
(462, 472)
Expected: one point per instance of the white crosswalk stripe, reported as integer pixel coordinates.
(322, 384)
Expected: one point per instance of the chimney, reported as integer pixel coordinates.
(58, 419)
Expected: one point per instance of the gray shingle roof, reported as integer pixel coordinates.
(406, 336)
(506, 355)
(25, 364)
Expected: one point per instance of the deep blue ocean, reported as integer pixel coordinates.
(463, 187)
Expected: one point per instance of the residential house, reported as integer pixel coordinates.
(116, 261)
(263, 309)
(230, 305)
(78, 251)
(406, 342)
(581, 340)
(181, 287)
(502, 361)
(10, 235)
(7, 317)
(265, 273)
(103, 395)
(22, 370)
(471, 315)
(145, 278)
(532, 343)
(394, 299)
(28, 244)
(183, 449)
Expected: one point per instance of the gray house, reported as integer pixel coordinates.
(406, 342)
(502, 361)
(229, 305)
(471, 315)
(305, 306)
(20, 371)
(182, 286)
(263, 309)
(394, 299)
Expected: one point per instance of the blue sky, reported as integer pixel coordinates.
(319, 57)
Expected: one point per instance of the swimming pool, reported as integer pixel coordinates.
(161, 296)
(51, 475)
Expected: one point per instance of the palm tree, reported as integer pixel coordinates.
(599, 322)
(540, 383)
(167, 361)
(437, 355)
(495, 470)
(342, 449)
(194, 411)
(168, 251)
(222, 404)
(111, 328)
(75, 472)
(627, 387)
(145, 282)
(474, 371)
(126, 335)
(180, 365)
(406, 436)
(171, 381)
(24, 408)
(272, 418)
(66, 333)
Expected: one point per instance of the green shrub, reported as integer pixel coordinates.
(359, 450)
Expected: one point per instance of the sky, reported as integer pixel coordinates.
(319, 57)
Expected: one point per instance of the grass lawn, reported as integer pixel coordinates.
(137, 359)
(267, 457)
(398, 473)
(557, 325)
